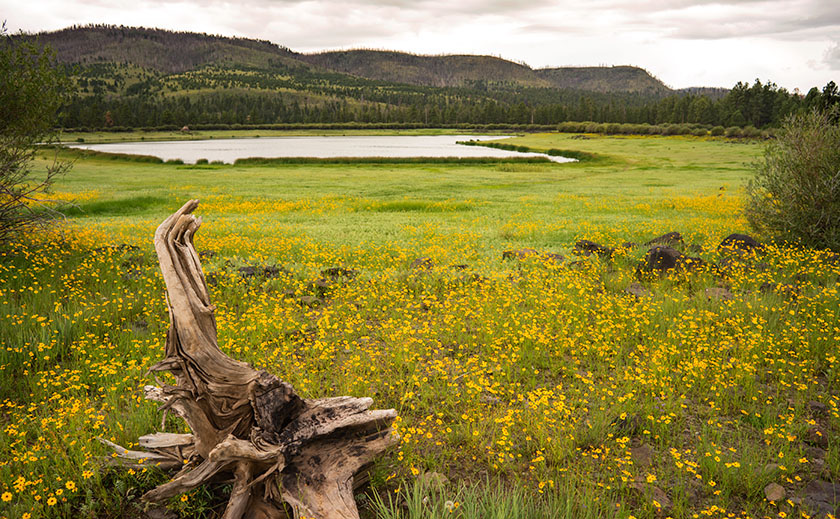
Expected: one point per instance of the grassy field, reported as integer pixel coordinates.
(537, 387)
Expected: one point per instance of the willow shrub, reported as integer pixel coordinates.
(795, 194)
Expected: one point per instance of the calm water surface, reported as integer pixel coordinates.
(228, 150)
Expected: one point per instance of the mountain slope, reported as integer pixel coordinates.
(439, 71)
(168, 52)
(163, 51)
(472, 71)
(604, 79)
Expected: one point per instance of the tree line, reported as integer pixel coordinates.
(229, 100)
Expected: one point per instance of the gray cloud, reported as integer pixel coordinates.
(832, 57)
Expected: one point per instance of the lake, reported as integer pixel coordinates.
(228, 150)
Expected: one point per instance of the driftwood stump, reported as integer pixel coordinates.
(248, 427)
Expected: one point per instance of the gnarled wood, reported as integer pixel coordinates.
(247, 426)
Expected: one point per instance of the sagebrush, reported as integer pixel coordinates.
(795, 194)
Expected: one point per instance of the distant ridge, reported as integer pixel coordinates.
(623, 78)
(161, 50)
(176, 52)
(470, 70)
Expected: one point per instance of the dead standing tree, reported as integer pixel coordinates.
(247, 426)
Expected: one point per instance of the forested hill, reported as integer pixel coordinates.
(142, 78)
(604, 79)
(175, 52)
(160, 50)
(479, 71)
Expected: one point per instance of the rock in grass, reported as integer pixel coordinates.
(816, 436)
(433, 480)
(669, 239)
(553, 257)
(775, 492)
(822, 498)
(588, 247)
(321, 286)
(740, 242)
(815, 454)
(266, 271)
(642, 455)
(817, 408)
(424, 262)
(339, 273)
(637, 290)
(661, 259)
(309, 300)
(519, 254)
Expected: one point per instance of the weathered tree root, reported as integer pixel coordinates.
(247, 426)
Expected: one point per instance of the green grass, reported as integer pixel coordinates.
(527, 383)
(639, 170)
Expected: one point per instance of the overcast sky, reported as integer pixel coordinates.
(794, 43)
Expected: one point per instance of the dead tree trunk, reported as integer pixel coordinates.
(247, 426)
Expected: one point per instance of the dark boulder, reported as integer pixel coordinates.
(588, 247)
(339, 273)
(816, 436)
(272, 271)
(423, 262)
(822, 498)
(266, 271)
(248, 271)
(661, 259)
(309, 301)
(740, 242)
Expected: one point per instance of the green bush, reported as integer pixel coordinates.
(733, 132)
(795, 194)
(32, 90)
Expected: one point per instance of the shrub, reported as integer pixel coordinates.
(717, 131)
(750, 132)
(795, 194)
(733, 132)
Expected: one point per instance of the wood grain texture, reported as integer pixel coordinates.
(247, 426)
